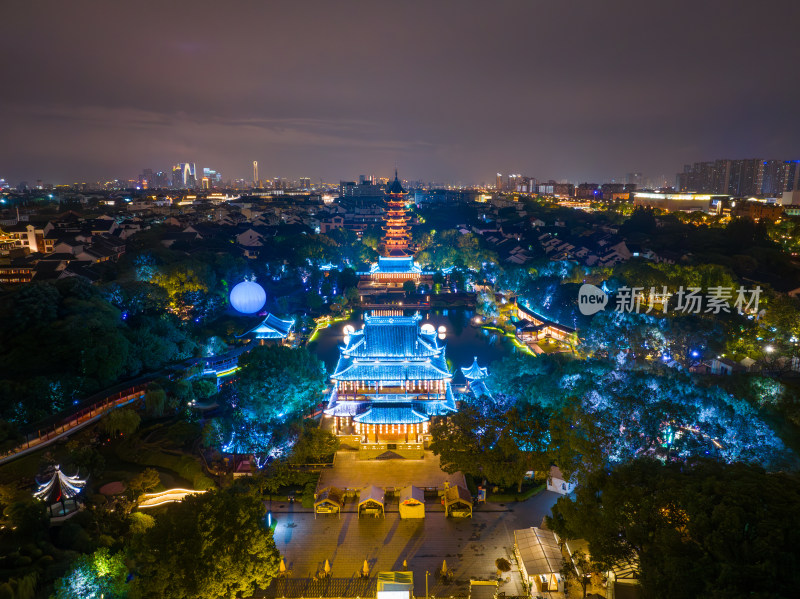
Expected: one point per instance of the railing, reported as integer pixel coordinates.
(45, 434)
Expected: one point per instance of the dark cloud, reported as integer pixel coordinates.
(446, 90)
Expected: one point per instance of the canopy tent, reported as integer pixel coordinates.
(371, 502)
(457, 502)
(395, 585)
(412, 502)
(539, 558)
(328, 501)
(483, 589)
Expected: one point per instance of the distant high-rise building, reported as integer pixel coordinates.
(791, 175)
(305, 182)
(633, 179)
(184, 175)
(211, 178)
(742, 178)
(255, 173)
(771, 176)
(146, 179)
(499, 185)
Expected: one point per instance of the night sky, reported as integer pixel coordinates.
(447, 91)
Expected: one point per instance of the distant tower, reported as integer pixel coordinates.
(396, 233)
(255, 173)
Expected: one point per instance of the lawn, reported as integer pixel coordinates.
(527, 493)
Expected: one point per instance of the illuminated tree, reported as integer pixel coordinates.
(100, 574)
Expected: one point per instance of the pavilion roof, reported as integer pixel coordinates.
(395, 186)
(392, 337)
(359, 408)
(391, 414)
(271, 327)
(475, 372)
(479, 388)
(352, 369)
(58, 486)
(395, 264)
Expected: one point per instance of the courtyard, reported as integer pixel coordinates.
(470, 546)
(349, 472)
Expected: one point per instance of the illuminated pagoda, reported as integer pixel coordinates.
(391, 378)
(396, 235)
(396, 264)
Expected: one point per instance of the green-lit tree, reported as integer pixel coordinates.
(99, 575)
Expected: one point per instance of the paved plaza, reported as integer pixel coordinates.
(470, 547)
(348, 472)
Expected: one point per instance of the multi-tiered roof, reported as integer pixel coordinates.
(392, 359)
(396, 235)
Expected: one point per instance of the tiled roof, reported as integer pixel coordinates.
(395, 186)
(391, 414)
(392, 337)
(391, 264)
(475, 372)
(271, 327)
(350, 369)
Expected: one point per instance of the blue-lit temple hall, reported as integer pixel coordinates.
(391, 378)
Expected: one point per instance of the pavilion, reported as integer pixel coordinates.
(475, 375)
(271, 328)
(60, 493)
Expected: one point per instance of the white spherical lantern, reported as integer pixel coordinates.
(349, 330)
(427, 329)
(248, 297)
(442, 330)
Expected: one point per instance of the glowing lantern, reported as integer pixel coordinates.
(248, 297)
(427, 329)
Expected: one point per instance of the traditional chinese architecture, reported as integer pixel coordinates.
(391, 378)
(475, 375)
(271, 328)
(396, 264)
(60, 492)
(396, 232)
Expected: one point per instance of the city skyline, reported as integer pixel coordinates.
(451, 91)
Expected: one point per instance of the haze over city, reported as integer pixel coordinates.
(450, 91)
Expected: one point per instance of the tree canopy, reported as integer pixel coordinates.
(210, 546)
(702, 530)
